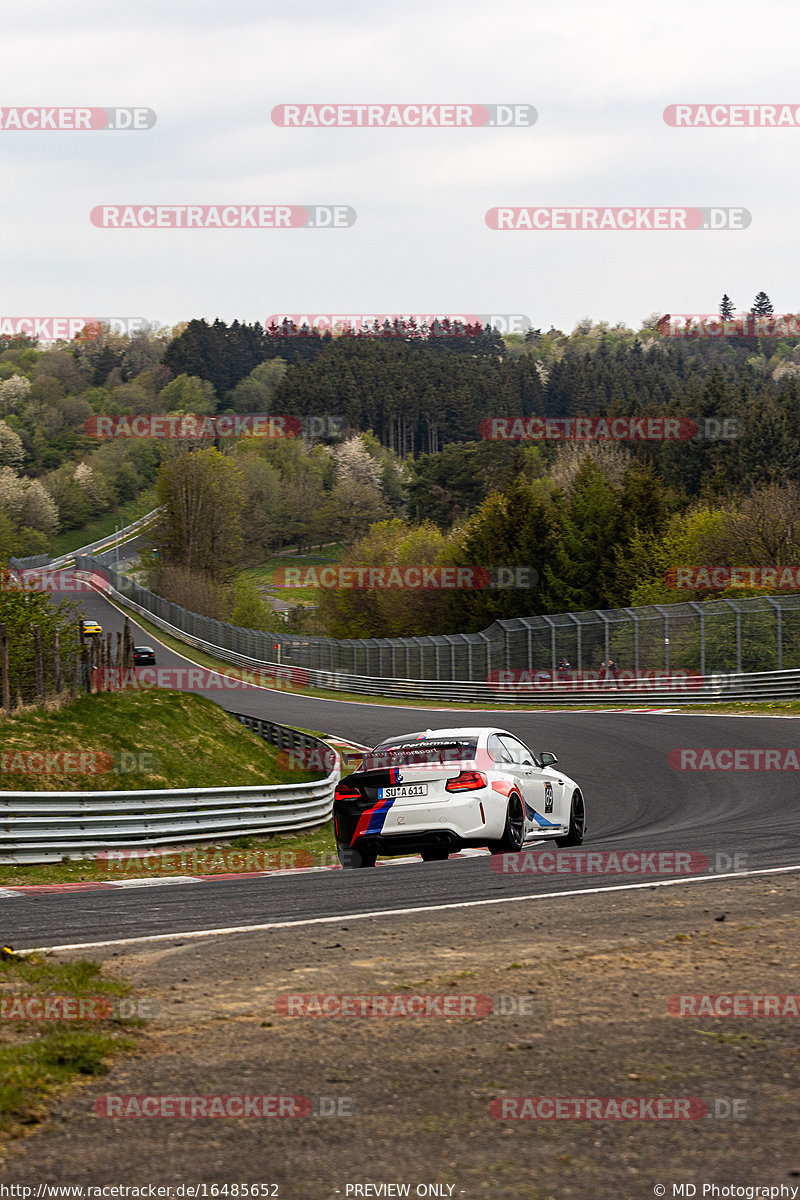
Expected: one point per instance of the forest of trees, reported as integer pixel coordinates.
(408, 470)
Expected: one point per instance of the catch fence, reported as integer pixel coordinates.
(754, 634)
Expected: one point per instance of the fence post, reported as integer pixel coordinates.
(4, 668)
(38, 664)
(127, 647)
(779, 632)
(57, 662)
(693, 604)
(552, 644)
(665, 618)
(86, 671)
(606, 643)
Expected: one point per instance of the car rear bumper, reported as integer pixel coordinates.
(393, 845)
(473, 819)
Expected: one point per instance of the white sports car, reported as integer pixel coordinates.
(435, 792)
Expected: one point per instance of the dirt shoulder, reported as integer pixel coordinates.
(593, 976)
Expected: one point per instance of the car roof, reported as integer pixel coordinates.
(465, 731)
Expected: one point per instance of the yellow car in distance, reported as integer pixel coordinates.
(91, 629)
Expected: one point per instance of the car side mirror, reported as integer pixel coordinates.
(547, 759)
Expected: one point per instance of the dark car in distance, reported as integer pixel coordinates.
(144, 656)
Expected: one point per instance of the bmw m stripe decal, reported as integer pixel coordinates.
(532, 815)
(372, 820)
(505, 789)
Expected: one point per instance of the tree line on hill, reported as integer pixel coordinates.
(592, 519)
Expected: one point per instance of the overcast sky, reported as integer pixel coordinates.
(598, 75)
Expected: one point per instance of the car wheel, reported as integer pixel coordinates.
(577, 823)
(435, 854)
(351, 859)
(514, 832)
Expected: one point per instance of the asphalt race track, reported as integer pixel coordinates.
(635, 801)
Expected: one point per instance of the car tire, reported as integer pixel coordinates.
(435, 854)
(351, 859)
(514, 831)
(577, 822)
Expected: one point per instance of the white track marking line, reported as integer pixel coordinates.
(400, 912)
(134, 883)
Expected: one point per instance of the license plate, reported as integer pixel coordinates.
(400, 793)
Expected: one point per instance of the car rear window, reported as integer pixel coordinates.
(427, 750)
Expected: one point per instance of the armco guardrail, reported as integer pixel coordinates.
(508, 688)
(106, 543)
(38, 827)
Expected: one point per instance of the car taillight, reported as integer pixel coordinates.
(346, 793)
(467, 781)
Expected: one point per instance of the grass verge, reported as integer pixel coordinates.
(315, 847)
(264, 574)
(40, 1057)
(753, 707)
(126, 741)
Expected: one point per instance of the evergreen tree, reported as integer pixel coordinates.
(580, 575)
(762, 306)
(726, 308)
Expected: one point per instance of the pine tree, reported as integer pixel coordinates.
(726, 308)
(762, 306)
